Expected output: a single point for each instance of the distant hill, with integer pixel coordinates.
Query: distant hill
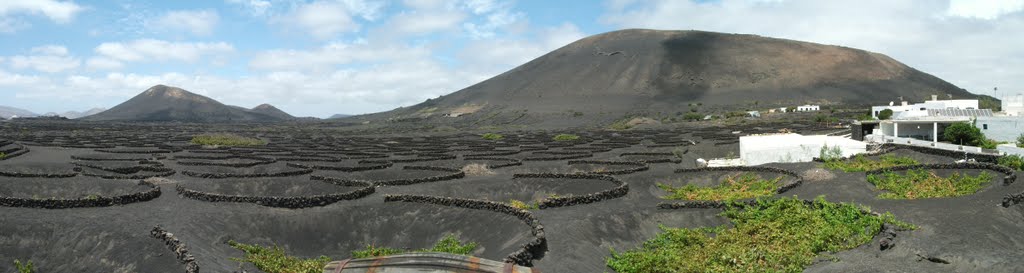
(166, 103)
(270, 110)
(75, 114)
(339, 116)
(639, 70)
(7, 112)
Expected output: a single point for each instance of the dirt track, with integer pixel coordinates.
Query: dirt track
(971, 233)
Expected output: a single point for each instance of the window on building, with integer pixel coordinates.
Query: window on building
(876, 113)
(984, 126)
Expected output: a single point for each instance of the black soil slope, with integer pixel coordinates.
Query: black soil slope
(653, 70)
(166, 103)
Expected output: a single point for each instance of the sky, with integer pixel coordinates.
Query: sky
(324, 57)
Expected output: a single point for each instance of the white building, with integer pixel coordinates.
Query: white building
(921, 109)
(1013, 105)
(807, 108)
(773, 148)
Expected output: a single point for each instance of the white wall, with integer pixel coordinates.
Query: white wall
(931, 104)
(757, 150)
(1001, 128)
(1010, 149)
(1013, 105)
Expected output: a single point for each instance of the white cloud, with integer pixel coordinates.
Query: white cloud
(425, 22)
(10, 25)
(333, 54)
(48, 58)
(366, 9)
(429, 4)
(103, 63)
(58, 11)
(199, 22)
(484, 6)
(323, 20)
(158, 50)
(973, 54)
(498, 55)
(984, 9)
(254, 7)
(498, 15)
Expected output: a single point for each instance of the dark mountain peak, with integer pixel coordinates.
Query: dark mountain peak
(168, 103)
(264, 106)
(270, 110)
(171, 92)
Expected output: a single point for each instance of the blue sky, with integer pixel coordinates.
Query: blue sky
(317, 58)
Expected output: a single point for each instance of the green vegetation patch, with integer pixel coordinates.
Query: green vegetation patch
(780, 235)
(226, 140)
(27, 267)
(2, 155)
(566, 137)
(448, 244)
(274, 260)
(524, 205)
(1015, 162)
(860, 163)
(492, 136)
(740, 186)
(919, 184)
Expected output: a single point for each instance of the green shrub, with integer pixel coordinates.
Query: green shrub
(492, 136)
(373, 251)
(963, 133)
(860, 163)
(27, 267)
(830, 154)
(885, 114)
(448, 244)
(693, 117)
(274, 260)
(3, 155)
(917, 184)
(1020, 142)
(1015, 162)
(620, 125)
(524, 205)
(742, 186)
(566, 137)
(989, 143)
(226, 140)
(780, 235)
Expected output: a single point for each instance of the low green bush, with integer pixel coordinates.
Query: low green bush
(227, 140)
(1015, 162)
(780, 235)
(830, 153)
(566, 137)
(860, 163)
(448, 244)
(963, 133)
(27, 267)
(3, 155)
(492, 136)
(919, 184)
(885, 114)
(741, 186)
(524, 205)
(988, 143)
(274, 260)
